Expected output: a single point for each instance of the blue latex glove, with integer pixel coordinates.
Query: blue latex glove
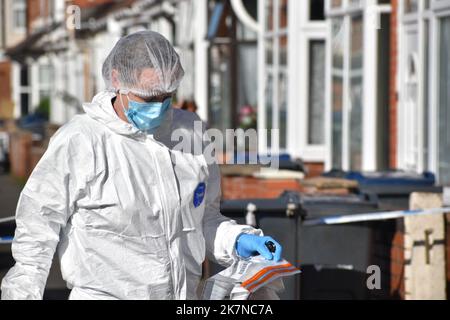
(248, 245)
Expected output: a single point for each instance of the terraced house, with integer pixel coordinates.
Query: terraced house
(350, 84)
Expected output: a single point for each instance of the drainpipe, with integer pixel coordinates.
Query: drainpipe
(243, 15)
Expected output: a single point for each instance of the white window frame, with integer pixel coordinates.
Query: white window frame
(45, 86)
(275, 34)
(438, 9)
(302, 32)
(410, 23)
(16, 6)
(370, 10)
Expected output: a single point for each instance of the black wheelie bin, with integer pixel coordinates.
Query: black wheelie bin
(335, 258)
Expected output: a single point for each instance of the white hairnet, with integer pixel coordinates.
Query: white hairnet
(146, 64)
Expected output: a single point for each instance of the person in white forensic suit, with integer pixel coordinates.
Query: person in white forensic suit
(129, 214)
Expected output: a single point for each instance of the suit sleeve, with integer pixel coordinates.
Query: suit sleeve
(44, 207)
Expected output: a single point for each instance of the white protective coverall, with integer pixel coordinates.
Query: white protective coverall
(118, 204)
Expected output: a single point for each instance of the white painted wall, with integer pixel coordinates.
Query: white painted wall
(13, 36)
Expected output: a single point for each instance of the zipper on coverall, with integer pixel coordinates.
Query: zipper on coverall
(165, 208)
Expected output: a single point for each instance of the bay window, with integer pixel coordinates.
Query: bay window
(19, 15)
(358, 33)
(424, 101)
(273, 111)
(292, 55)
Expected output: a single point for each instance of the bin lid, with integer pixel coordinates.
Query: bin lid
(285, 161)
(287, 201)
(387, 178)
(315, 206)
(326, 199)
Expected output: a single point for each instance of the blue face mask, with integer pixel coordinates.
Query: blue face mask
(147, 116)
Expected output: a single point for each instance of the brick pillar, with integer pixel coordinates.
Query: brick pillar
(397, 258)
(425, 272)
(20, 147)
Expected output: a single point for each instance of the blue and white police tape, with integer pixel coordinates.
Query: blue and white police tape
(9, 219)
(6, 240)
(375, 216)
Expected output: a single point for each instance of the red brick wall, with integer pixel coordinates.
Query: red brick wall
(34, 11)
(20, 147)
(234, 188)
(393, 87)
(5, 90)
(314, 169)
(90, 3)
(398, 263)
(397, 249)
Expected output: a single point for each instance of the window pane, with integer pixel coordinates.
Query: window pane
(248, 72)
(19, 19)
(45, 75)
(283, 109)
(356, 132)
(444, 103)
(355, 3)
(24, 76)
(283, 13)
(269, 51)
(382, 92)
(337, 122)
(357, 43)
(337, 90)
(317, 10)
(427, 88)
(283, 50)
(269, 14)
(411, 102)
(44, 94)
(24, 103)
(336, 3)
(19, 13)
(411, 6)
(338, 43)
(219, 88)
(316, 114)
(356, 90)
(269, 107)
